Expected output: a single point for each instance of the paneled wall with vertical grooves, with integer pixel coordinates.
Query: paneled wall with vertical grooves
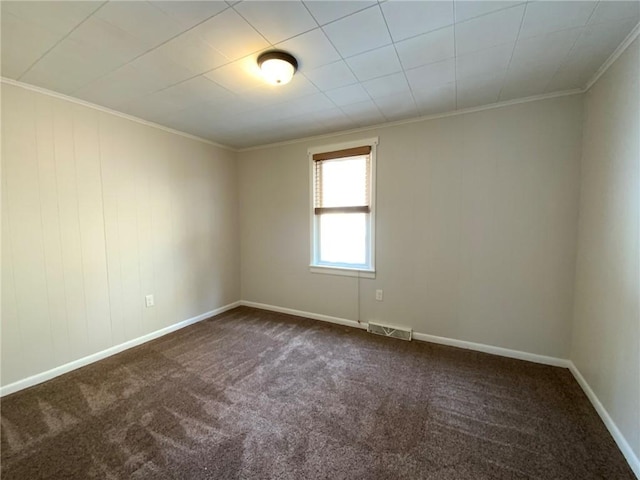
(97, 212)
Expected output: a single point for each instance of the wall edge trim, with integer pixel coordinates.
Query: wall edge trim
(100, 108)
(620, 49)
(94, 357)
(301, 313)
(618, 437)
(452, 342)
(450, 113)
(500, 351)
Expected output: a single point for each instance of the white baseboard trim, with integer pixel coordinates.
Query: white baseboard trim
(479, 347)
(300, 313)
(500, 351)
(623, 445)
(81, 362)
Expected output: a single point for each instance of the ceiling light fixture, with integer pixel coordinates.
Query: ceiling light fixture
(277, 67)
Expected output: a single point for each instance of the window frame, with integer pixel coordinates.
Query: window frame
(364, 271)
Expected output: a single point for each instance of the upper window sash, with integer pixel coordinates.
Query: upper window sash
(352, 196)
(346, 152)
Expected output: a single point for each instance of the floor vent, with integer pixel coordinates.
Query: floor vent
(390, 331)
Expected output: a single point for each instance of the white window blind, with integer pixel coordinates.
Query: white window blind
(342, 181)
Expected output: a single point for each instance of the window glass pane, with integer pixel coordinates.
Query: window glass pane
(344, 182)
(343, 238)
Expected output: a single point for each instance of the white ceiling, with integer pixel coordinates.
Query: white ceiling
(191, 65)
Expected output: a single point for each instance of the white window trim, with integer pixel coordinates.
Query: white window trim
(314, 266)
(342, 272)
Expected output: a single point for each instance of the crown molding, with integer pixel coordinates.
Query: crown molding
(614, 56)
(396, 123)
(452, 113)
(100, 108)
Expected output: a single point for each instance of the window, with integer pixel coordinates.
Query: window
(342, 213)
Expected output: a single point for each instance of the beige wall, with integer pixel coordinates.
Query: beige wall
(606, 326)
(97, 212)
(476, 228)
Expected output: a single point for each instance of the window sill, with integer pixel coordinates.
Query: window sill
(342, 271)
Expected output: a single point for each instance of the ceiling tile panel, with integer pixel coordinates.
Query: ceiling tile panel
(546, 17)
(467, 9)
(71, 65)
(56, 17)
(358, 33)
(328, 11)
(300, 106)
(90, 51)
(190, 51)
(490, 30)
(487, 62)
(436, 100)
(432, 75)
(155, 107)
(163, 70)
(395, 84)
(312, 49)
(330, 76)
(347, 95)
(376, 63)
(408, 19)
(571, 76)
(197, 90)
(293, 128)
(190, 13)
(231, 35)
(238, 76)
(277, 20)
(108, 39)
(334, 119)
(53, 76)
(268, 94)
(526, 82)
(141, 20)
(428, 48)
(363, 113)
(397, 107)
(23, 43)
(261, 97)
(609, 11)
(215, 116)
(546, 49)
(117, 88)
(475, 91)
(598, 41)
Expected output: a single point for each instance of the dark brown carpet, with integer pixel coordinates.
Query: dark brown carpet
(253, 394)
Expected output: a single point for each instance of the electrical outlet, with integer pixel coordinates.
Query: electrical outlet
(379, 295)
(148, 300)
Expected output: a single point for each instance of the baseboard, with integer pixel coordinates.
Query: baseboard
(500, 351)
(300, 313)
(68, 367)
(479, 347)
(623, 445)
